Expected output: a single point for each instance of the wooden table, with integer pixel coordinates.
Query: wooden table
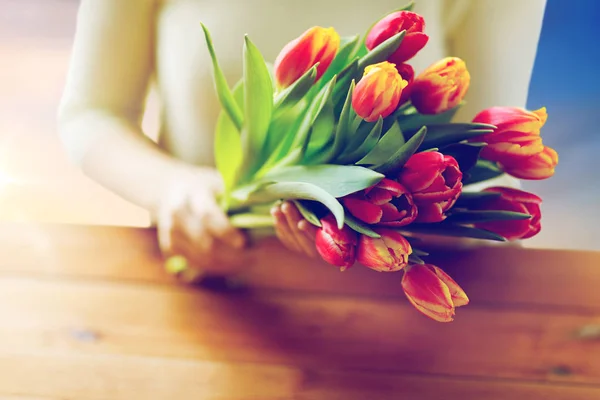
(89, 313)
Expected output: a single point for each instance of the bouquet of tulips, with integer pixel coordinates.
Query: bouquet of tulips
(367, 152)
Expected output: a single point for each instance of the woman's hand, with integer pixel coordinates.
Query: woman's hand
(293, 230)
(192, 226)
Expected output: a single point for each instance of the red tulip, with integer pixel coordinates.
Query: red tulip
(384, 254)
(435, 181)
(337, 247)
(378, 92)
(442, 86)
(387, 204)
(407, 73)
(516, 144)
(433, 292)
(414, 39)
(316, 45)
(518, 201)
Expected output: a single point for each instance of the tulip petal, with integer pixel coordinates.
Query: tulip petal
(428, 293)
(363, 210)
(459, 297)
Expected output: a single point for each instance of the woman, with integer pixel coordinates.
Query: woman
(122, 48)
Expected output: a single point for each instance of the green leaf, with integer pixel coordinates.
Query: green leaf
(415, 259)
(402, 155)
(346, 53)
(337, 180)
(382, 52)
(298, 191)
(303, 134)
(440, 135)
(367, 145)
(466, 154)
(258, 104)
(344, 80)
(296, 91)
(223, 93)
(342, 132)
(228, 143)
(474, 199)
(360, 227)
(420, 253)
(482, 171)
(307, 214)
(410, 121)
(385, 147)
(471, 217)
(443, 229)
(322, 133)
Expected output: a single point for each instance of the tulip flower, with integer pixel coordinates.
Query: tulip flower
(407, 73)
(516, 144)
(387, 253)
(441, 86)
(433, 292)
(316, 45)
(518, 201)
(378, 92)
(534, 167)
(435, 181)
(388, 203)
(414, 39)
(337, 247)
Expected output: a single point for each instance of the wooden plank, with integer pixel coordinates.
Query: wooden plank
(500, 275)
(108, 377)
(308, 331)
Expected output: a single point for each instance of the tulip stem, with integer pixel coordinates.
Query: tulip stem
(251, 221)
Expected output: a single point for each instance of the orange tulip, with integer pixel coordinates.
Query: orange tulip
(378, 93)
(387, 253)
(433, 292)
(316, 45)
(441, 86)
(516, 144)
(535, 167)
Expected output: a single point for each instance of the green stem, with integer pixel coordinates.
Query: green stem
(251, 221)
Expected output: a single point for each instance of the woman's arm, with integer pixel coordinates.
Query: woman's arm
(103, 101)
(498, 41)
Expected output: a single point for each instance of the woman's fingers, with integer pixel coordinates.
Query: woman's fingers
(283, 230)
(294, 218)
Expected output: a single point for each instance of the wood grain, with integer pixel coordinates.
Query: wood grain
(96, 377)
(496, 275)
(48, 317)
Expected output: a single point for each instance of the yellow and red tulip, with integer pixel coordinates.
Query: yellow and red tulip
(336, 246)
(435, 181)
(388, 203)
(414, 39)
(433, 292)
(387, 253)
(378, 92)
(518, 201)
(316, 45)
(441, 86)
(516, 144)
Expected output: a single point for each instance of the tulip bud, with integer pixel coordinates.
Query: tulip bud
(413, 41)
(337, 247)
(407, 73)
(534, 167)
(388, 203)
(384, 254)
(435, 181)
(441, 86)
(316, 45)
(433, 292)
(516, 144)
(378, 93)
(518, 201)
